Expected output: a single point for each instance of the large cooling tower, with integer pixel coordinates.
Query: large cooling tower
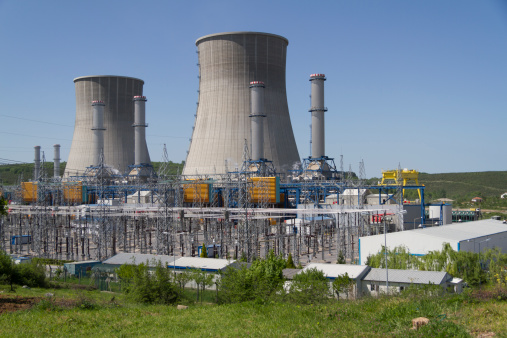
(117, 93)
(228, 62)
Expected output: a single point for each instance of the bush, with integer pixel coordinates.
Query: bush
(309, 287)
(31, 274)
(144, 287)
(262, 280)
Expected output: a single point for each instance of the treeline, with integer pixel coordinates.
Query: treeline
(31, 274)
(474, 268)
(261, 281)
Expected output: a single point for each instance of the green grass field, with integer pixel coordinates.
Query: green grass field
(94, 313)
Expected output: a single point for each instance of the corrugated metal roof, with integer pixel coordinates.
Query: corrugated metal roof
(335, 270)
(408, 276)
(82, 262)
(289, 273)
(455, 231)
(208, 264)
(136, 258)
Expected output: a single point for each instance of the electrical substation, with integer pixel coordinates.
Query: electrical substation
(244, 189)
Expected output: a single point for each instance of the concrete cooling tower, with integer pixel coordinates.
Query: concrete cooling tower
(228, 62)
(117, 94)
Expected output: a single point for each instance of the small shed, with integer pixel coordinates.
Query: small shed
(333, 271)
(141, 197)
(353, 196)
(79, 268)
(118, 260)
(203, 264)
(374, 283)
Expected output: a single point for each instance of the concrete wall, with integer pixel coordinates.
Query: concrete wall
(228, 63)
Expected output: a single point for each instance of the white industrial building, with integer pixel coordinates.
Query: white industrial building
(374, 283)
(333, 271)
(469, 236)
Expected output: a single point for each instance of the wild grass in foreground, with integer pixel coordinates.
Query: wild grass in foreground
(92, 313)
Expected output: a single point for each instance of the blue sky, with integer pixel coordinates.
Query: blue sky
(418, 83)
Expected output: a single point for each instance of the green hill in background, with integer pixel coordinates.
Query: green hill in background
(10, 174)
(458, 186)
(465, 185)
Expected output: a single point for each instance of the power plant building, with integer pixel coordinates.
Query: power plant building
(117, 94)
(228, 62)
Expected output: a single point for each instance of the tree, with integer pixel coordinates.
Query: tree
(202, 280)
(341, 258)
(308, 287)
(262, 280)
(204, 253)
(342, 283)
(3, 206)
(243, 257)
(290, 262)
(8, 271)
(182, 278)
(145, 287)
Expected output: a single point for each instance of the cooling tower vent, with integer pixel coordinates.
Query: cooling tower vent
(257, 84)
(317, 76)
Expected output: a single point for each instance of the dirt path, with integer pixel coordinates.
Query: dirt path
(9, 303)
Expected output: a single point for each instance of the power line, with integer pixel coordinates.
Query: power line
(7, 161)
(21, 118)
(50, 138)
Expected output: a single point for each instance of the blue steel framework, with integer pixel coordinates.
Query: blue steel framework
(315, 191)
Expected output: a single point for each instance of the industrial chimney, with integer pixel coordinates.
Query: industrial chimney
(98, 131)
(228, 62)
(56, 169)
(317, 109)
(257, 119)
(36, 164)
(140, 131)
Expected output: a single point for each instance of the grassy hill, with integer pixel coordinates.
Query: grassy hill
(94, 313)
(466, 185)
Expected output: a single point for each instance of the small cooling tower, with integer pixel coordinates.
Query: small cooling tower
(117, 93)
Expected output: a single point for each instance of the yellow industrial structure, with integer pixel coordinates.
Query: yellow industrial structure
(265, 189)
(73, 192)
(29, 192)
(197, 191)
(401, 177)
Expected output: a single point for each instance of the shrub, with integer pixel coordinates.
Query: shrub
(31, 274)
(145, 287)
(261, 281)
(342, 283)
(308, 287)
(290, 262)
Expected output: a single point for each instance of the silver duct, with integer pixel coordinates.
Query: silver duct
(36, 161)
(56, 159)
(257, 119)
(317, 109)
(98, 131)
(139, 130)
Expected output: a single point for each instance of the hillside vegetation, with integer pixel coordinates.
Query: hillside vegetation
(11, 174)
(465, 185)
